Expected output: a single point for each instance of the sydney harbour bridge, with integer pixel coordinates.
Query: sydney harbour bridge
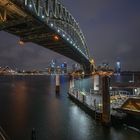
(46, 23)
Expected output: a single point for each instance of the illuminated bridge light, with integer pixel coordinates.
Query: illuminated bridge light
(51, 24)
(68, 39)
(56, 38)
(58, 31)
(30, 5)
(63, 35)
(71, 42)
(43, 16)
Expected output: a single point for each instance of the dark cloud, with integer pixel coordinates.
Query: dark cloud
(111, 28)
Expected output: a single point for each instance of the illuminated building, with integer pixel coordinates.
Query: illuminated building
(64, 67)
(118, 67)
(53, 66)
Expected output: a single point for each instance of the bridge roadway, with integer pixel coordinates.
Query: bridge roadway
(46, 23)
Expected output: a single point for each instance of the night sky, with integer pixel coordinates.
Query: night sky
(111, 28)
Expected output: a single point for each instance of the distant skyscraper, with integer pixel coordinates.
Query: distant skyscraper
(75, 67)
(105, 65)
(118, 67)
(53, 66)
(64, 67)
(53, 63)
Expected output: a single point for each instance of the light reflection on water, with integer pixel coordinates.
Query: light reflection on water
(18, 104)
(30, 101)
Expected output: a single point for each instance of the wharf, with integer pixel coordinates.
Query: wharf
(116, 117)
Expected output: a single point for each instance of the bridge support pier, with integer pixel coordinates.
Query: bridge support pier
(106, 100)
(87, 69)
(57, 80)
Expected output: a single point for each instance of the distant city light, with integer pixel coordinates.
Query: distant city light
(118, 63)
(58, 31)
(83, 73)
(21, 42)
(62, 65)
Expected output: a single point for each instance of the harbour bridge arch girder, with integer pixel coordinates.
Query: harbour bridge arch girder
(53, 15)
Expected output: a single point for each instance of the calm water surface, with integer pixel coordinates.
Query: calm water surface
(28, 102)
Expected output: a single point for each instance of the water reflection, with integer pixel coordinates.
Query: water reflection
(31, 102)
(19, 106)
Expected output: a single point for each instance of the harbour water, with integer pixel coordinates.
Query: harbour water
(28, 102)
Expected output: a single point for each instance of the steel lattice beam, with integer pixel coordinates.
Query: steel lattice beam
(54, 10)
(10, 24)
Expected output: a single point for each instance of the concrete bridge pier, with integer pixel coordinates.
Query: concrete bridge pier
(57, 81)
(87, 68)
(106, 119)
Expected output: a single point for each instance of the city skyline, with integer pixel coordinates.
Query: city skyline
(111, 28)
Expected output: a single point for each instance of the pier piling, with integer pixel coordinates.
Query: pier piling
(106, 100)
(57, 81)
